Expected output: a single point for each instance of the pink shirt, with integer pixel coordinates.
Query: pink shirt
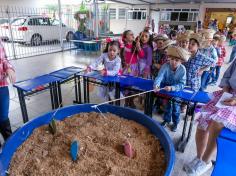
(130, 57)
(4, 66)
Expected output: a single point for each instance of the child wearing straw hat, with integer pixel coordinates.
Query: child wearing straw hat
(209, 51)
(172, 77)
(183, 39)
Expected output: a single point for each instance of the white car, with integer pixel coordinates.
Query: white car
(37, 29)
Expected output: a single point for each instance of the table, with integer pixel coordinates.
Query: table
(189, 96)
(34, 85)
(67, 74)
(88, 45)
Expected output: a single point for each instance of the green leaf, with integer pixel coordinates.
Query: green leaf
(52, 126)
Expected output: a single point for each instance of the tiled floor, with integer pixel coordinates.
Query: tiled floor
(40, 104)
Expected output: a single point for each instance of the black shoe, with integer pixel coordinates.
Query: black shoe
(174, 128)
(164, 123)
(5, 129)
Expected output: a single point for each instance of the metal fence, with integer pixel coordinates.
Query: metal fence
(34, 31)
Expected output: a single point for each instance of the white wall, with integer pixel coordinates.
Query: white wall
(119, 26)
(20, 3)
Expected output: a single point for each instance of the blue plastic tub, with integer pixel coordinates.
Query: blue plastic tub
(25, 131)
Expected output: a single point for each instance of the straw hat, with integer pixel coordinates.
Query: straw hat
(216, 36)
(222, 38)
(178, 52)
(198, 37)
(208, 34)
(160, 37)
(167, 43)
(189, 32)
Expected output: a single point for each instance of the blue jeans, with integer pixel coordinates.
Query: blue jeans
(217, 73)
(172, 112)
(211, 76)
(4, 103)
(204, 82)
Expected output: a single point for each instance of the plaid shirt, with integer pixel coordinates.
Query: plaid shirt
(222, 56)
(210, 52)
(192, 67)
(4, 66)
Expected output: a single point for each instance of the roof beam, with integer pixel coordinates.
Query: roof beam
(145, 1)
(121, 2)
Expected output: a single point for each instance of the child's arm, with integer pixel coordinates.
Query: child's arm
(160, 76)
(182, 81)
(97, 62)
(116, 68)
(149, 56)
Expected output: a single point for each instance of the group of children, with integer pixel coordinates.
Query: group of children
(185, 59)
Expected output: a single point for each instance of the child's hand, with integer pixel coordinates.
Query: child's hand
(157, 89)
(167, 88)
(11, 75)
(230, 101)
(88, 69)
(200, 72)
(103, 72)
(138, 46)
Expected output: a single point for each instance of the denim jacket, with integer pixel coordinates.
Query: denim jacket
(168, 77)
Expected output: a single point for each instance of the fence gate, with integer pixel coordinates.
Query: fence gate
(34, 31)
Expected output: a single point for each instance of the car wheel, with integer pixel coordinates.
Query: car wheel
(36, 40)
(69, 36)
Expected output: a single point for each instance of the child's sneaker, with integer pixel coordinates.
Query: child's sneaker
(187, 167)
(199, 168)
(164, 123)
(174, 127)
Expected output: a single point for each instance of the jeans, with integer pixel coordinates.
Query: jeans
(4, 103)
(211, 76)
(172, 112)
(217, 73)
(204, 78)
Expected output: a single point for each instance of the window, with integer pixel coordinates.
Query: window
(174, 16)
(183, 16)
(112, 13)
(33, 22)
(122, 14)
(190, 17)
(44, 21)
(137, 14)
(18, 22)
(195, 16)
(165, 16)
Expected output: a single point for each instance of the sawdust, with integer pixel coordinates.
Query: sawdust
(101, 149)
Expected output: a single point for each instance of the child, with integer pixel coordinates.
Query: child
(172, 77)
(173, 36)
(183, 40)
(233, 54)
(215, 42)
(233, 39)
(197, 63)
(6, 71)
(112, 64)
(132, 50)
(159, 56)
(221, 58)
(209, 51)
(146, 62)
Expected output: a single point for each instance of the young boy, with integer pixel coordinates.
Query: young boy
(197, 63)
(172, 77)
(183, 39)
(221, 58)
(209, 51)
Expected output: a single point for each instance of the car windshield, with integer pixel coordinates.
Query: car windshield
(3, 20)
(18, 22)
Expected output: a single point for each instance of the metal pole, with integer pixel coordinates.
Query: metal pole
(96, 18)
(60, 29)
(12, 40)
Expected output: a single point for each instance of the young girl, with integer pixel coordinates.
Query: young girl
(132, 50)
(172, 77)
(112, 64)
(6, 71)
(211, 122)
(146, 62)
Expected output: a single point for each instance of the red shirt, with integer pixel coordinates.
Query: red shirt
(4, 66)
(221, 59)
(130, 57)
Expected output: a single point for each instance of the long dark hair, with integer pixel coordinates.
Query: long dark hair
(112, 43)
(150, 38)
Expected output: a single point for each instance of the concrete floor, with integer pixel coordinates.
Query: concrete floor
(40, 104)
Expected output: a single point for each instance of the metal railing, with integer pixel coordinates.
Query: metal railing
(28, 31)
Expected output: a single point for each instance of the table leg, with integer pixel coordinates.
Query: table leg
(51, 95)
(146, 104)
(117, 93)
(79, 90)
(85, 89)
(150, 103)
(59, 93)
(191, 122)
(23, 105)
(181, 144)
